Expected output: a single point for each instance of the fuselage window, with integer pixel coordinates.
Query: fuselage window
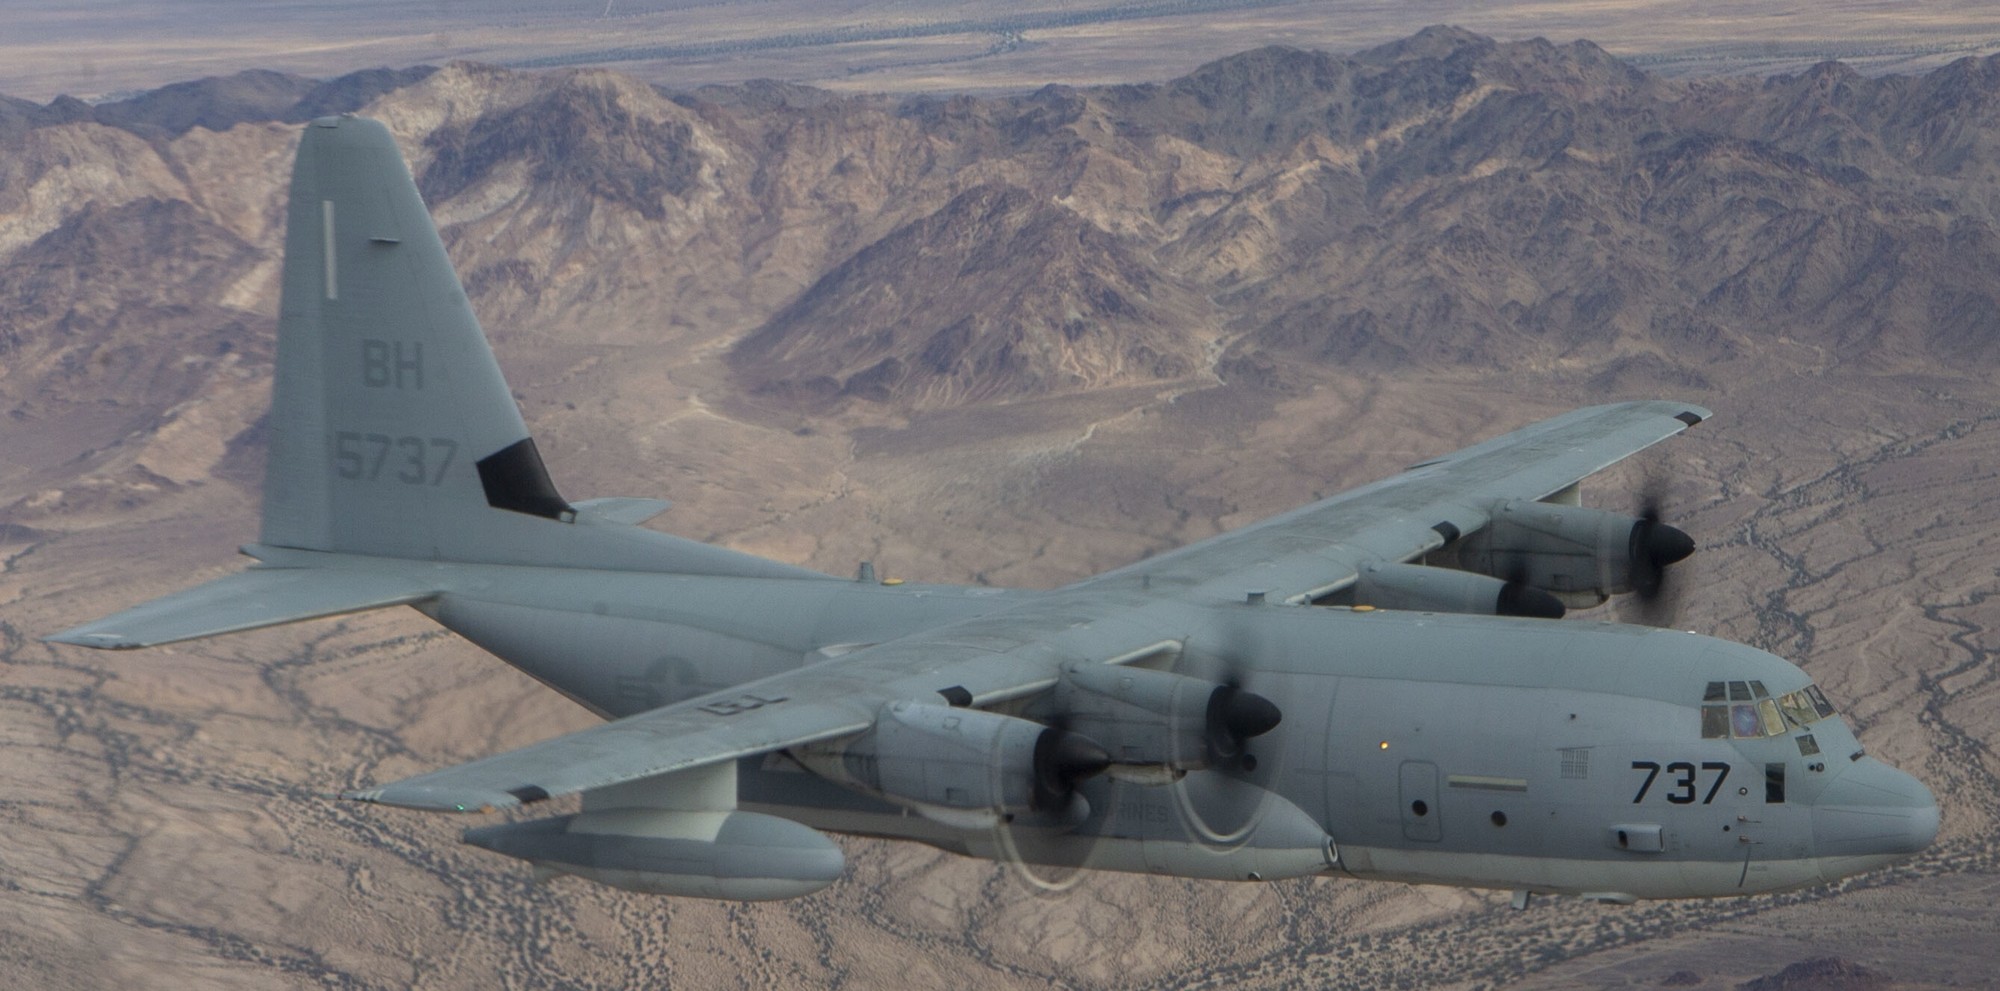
(1774, 783)
(1808, 746)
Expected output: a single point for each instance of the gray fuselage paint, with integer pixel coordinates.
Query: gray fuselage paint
(1518, 736)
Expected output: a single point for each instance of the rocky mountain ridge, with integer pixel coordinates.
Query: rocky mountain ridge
(1446, 200)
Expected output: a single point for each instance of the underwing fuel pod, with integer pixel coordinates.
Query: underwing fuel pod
(1375, 686)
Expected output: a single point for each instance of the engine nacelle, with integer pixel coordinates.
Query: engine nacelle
(1418, 587)
(735, 855)
(1579, 554)
(967, 768)
(1157, 725)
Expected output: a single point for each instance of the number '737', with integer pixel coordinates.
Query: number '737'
(1681, 780)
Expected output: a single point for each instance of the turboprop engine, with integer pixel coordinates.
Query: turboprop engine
(1583, 556)
(967, 768)
(1420, 587)
(1155, 725)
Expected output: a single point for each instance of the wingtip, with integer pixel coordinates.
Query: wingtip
(428, 803)
(84, 636)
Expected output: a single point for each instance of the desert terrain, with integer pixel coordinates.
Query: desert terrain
(113, 49)
(1012, 340)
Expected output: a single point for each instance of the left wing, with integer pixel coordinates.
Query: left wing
(735, 722)
(247, 600)
(1019, 651)
(820, 702)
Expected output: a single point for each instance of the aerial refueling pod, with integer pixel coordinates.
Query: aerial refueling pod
(1581, 555)
(967, 768)
(1157, 725)
(1419, 587)
(735, 855)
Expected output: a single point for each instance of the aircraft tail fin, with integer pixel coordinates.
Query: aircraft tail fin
(392, 430)
(393, 433)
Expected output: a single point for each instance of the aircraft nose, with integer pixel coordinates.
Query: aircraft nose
(1870, 816)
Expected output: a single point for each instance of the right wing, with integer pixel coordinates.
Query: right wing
(1316, 549)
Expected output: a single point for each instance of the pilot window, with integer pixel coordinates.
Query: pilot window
(1714, 722)
(1745, 710)
(1743, 722)
(1798, 708)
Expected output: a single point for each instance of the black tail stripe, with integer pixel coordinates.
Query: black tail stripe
(515, 479)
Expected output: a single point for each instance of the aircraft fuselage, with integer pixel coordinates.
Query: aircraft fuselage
(1434, 748)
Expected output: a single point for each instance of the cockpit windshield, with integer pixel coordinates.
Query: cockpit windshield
(1745, 710)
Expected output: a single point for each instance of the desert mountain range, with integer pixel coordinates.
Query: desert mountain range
(1003, 339)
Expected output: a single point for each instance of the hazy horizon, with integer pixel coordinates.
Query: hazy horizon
(104, 51)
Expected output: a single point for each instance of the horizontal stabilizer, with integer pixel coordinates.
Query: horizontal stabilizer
(620, 509)
(245, 601)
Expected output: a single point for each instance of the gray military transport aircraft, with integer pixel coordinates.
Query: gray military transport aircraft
(1377, 685)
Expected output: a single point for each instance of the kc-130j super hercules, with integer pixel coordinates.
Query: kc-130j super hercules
(1375, 686)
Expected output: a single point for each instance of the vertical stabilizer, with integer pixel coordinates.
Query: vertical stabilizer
(392, 431)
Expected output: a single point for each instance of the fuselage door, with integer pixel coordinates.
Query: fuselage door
(1422, 819)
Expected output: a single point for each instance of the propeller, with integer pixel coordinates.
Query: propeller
(1063, 760)
(1044, 852)
(1238, 728)
(1519, 597)
(1655, 547)
(1235, 717)
(1212, 725)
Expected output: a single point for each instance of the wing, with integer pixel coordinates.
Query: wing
(819, 702)
(1020, 650)
(248, 600)
(1317, 549)
(736, 722)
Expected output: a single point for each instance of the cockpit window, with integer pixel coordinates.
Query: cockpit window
(1806, 706)
(1743, 722)
(1799, 708)
(1750, 713)
(1767, 713)
(1715, 722)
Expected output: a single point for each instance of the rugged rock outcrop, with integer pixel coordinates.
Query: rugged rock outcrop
(1445, 200)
